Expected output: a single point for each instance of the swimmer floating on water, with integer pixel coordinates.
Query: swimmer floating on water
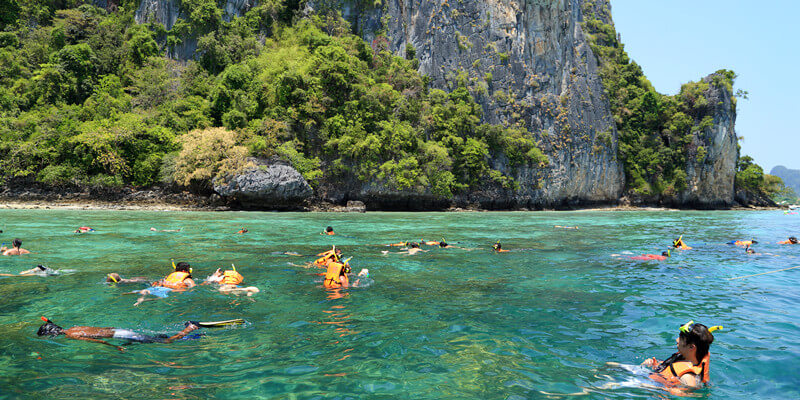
(16, 249)
(178, 280)
(645, 257)
(165, 230)
(790, 240)
(39, 270)
(116, 278)
(498, 248)
(745, 243)
(95, 334)
(243, 230)
(84, 229)
(691, 364)
(679, 244)
(413, 248)
(328, 231)
(229, 281)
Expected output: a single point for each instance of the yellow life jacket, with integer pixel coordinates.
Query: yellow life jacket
(332, 275)
(175, 279)
(673, 373)
(230, 277)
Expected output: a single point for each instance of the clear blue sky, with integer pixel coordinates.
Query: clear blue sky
(676, 41)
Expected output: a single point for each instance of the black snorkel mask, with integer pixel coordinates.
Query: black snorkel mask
(49, 328)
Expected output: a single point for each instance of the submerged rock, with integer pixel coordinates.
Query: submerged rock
(271, 184)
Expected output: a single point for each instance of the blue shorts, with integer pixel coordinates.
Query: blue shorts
(159, 291)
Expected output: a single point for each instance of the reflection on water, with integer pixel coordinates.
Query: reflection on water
(447, 323)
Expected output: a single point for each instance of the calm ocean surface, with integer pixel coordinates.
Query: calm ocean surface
(444, 324)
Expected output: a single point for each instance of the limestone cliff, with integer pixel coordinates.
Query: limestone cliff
(712, 154)
(528, 61)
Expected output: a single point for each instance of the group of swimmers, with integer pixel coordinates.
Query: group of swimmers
(689, 366)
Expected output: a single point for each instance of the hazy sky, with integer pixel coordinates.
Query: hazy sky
(677, 41)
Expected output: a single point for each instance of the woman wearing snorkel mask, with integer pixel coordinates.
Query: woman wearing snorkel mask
(690, 365)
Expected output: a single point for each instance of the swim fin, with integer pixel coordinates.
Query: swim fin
(220, 323)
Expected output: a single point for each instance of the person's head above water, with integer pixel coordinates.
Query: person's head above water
(497, 246)
(329, 229)
(113, 277)
(49, 328)
(414, 245)
(665, 253)
(442, 244)
(750, 251)
(183, 267)
(792, 240)
(17, 243)
(695, 338)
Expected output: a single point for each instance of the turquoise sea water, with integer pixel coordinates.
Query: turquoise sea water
(444, 324)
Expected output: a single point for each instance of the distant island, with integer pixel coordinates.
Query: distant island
(790, 177)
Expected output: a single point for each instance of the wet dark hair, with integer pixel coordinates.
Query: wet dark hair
(41, 267)
(665, 253)
(329, 229)
(754, 242)
(700, 337)
(17, 243)
(442, 244)
(497, 246)
(749, 251)
(182, 266)
(50, 329)
(414, 245)
(792, 239)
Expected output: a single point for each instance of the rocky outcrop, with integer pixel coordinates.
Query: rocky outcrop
(712, 154)
(528, 61)
(167, 12)
(271, 184)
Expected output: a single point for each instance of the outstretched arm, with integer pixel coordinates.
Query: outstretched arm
(182, 333)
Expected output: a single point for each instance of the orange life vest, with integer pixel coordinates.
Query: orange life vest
(329, 233)
(743, 242)
(231, 278)
(673, 373)
(333, 276)
(175, 279)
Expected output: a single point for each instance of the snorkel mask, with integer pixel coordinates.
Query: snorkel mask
(687, 327)
(49, 328)
(346, 267)
(174, 268)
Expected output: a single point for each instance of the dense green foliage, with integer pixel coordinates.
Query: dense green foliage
(656, 132)
(87, 96)
(751, 177)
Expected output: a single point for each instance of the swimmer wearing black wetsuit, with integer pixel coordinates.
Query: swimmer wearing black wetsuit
(94, 334)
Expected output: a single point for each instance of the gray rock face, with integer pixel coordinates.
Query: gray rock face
(167, 12)
(528, 62)
(272, 184)
(710, 179)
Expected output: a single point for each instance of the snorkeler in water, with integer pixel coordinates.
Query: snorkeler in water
(564, 227)
(229, 282)
(39, 270)
(15, 250)
(790, 240)
(413, 248)
(165, 230)
(328, 231)
(691, 364)
(95, 334)
(180, 279)
(243, 230)
(84, 229)
(498, 248)
(116, 278)
(680, 244)
(645, 257)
